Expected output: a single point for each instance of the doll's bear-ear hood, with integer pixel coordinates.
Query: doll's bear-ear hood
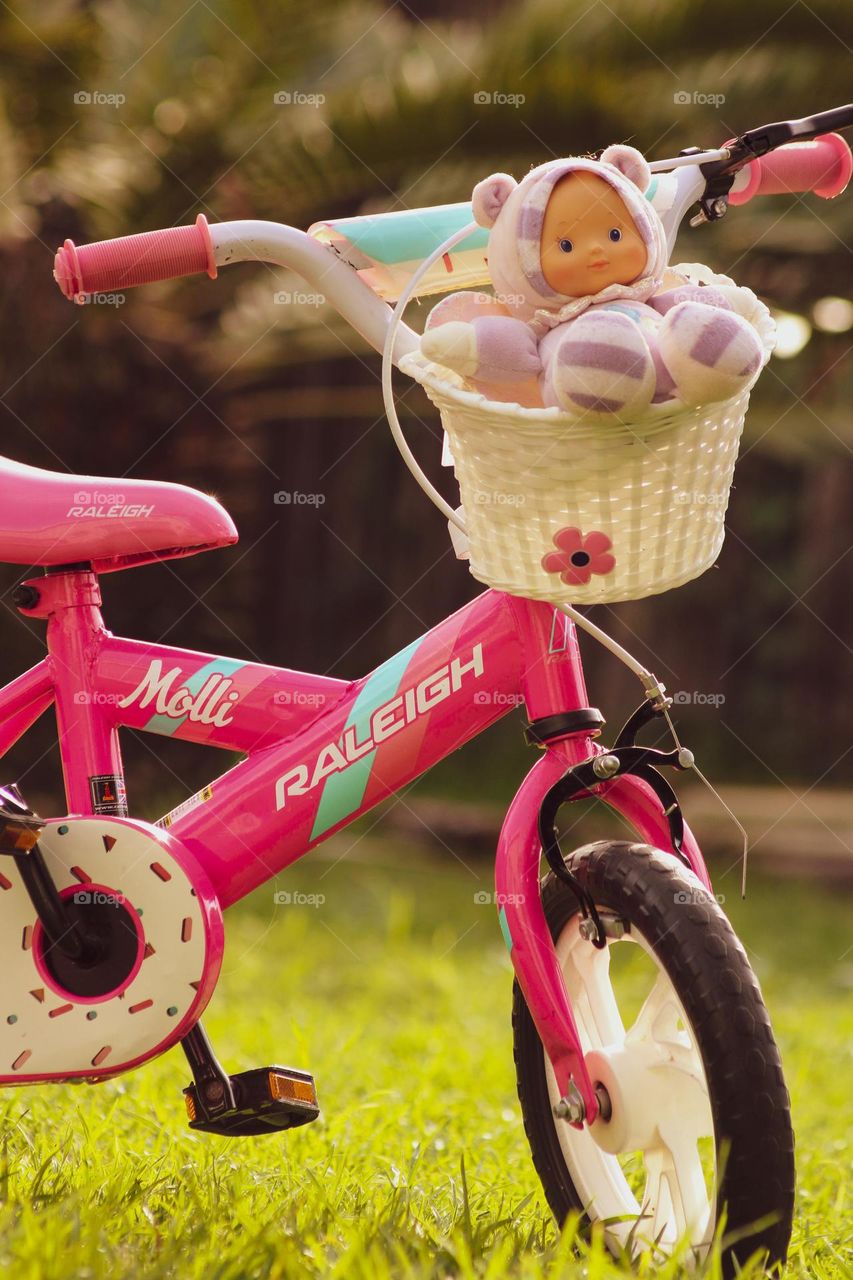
(490, 196)
(630, 163)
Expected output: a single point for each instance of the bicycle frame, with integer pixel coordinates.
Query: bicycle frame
(320, 752)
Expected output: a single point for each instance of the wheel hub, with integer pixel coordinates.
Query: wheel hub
(635, 1092)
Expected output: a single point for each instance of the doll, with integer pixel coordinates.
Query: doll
(586, 315)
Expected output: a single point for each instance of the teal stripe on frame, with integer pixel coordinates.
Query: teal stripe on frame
(343, 792)
(504, 923)
(167, 725)
(411, 233)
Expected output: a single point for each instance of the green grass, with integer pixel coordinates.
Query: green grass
(395, 993)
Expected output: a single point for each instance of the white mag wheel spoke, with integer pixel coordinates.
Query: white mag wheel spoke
(593, 992)
(675, 1201)
(661, 1023)
(659, 1016)
(676, 1196)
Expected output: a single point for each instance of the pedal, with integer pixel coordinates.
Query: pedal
(266, 1099)
(251, 1102)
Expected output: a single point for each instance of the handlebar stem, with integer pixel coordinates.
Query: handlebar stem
(690, 187)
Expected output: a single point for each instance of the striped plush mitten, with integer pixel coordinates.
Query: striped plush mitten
(599, 365)
(710, 353)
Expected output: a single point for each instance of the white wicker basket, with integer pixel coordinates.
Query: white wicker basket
(657, 488)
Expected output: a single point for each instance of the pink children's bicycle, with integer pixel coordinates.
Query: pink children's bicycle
(663, 1116)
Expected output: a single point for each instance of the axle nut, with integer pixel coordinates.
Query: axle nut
(571, 1107)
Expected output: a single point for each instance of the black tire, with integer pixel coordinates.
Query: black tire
(694, 943)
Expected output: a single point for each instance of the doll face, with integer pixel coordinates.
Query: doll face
(589, 239)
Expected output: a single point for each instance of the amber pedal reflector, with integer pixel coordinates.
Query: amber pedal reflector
(285, 1088)
(190, 1101)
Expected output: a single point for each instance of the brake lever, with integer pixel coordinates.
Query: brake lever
(752, 145)
(755, 143)
(767, 137)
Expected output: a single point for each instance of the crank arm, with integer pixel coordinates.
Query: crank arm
(20, 829)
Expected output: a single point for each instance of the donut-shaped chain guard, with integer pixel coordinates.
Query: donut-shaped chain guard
(162, 939)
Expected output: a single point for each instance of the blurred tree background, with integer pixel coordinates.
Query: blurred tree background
(224, 388)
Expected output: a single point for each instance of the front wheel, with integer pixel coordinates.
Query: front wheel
(671, 1019)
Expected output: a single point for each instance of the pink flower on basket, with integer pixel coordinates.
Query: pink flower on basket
(579, 556)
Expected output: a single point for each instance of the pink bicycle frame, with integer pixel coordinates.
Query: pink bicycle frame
(319, 752)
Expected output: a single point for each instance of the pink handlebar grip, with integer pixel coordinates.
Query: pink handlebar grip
(108, 265)
(823, 166)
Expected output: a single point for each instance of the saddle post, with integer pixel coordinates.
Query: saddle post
(68, 597)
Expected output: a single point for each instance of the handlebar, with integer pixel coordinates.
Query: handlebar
(123, 263)
(111, 265)
(823, 166)
(762, 161)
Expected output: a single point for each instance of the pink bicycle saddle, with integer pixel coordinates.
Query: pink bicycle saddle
(48, 518)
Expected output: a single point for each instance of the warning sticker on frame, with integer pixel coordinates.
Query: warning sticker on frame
(109, 795)
(199, 798)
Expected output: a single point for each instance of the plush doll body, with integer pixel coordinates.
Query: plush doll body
(586, 315)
